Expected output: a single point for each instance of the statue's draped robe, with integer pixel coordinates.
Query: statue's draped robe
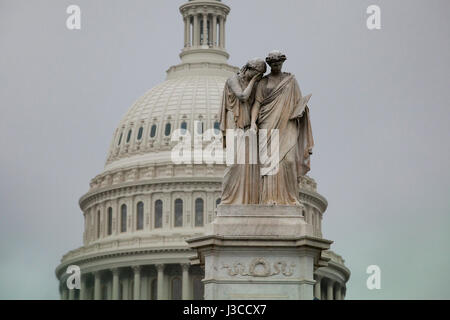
(241, 181)
(284, 108)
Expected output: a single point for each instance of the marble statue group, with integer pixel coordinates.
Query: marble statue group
(272, 104)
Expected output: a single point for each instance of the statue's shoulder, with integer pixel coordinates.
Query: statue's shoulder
(264, 79)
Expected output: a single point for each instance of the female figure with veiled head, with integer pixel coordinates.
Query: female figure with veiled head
(241, 179)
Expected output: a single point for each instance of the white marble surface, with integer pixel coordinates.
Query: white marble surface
(259, 252)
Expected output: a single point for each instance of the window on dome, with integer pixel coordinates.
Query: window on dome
(98, 224)
(140, 132)
(129, 136)
(199, 212)
(176, 288)
(120, 139)
(153, 131)
(217, 127)
(178, 213)
(140, 216)
(168, 129)
(183, 127)
(158, 213)
(109, 221)
(123, 218)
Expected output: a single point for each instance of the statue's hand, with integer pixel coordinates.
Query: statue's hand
(257, 77)
(254, 127)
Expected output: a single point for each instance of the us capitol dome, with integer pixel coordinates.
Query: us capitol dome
(141, 208)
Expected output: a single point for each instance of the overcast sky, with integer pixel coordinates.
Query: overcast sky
(380, 108)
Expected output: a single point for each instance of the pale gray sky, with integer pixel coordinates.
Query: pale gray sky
(380, 110)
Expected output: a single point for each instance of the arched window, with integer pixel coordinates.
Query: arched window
(199, 212)
(178, 213)
(216, 127)
(168, 129)
(123, 218)
(140, 132)
(153, 131)
(176, 288)
(129, 136)
(140, 216)
(217, 202)
(109, 221)
(98, 224)
(183, 127)
(154, 289)
(120, 139)
(158, 213)
(199, 289)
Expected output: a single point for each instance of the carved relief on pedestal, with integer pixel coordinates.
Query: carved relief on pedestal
(260, 267)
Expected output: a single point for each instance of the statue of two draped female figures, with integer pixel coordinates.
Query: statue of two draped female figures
(277, 157)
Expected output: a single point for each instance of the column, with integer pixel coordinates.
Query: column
(109, 289)
(338, 292)
(137, 283)
(330, 289)
(343, 293)
(115, 283)
(116, 213)
(83, 292)
(214, 30)
(185, 282)
(317, 288)
(224, 26)
(221, 31)
(64, 293)
(205, 29)
(97, 285)
(186, 28)
(144, 291)
(160, 268)
(125, 288)
(71, 294)
(196, 33)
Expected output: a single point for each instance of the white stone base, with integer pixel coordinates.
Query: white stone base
(260, 253)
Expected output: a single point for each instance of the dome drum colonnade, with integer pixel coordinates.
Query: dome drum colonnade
(140, 210)
(146, 281)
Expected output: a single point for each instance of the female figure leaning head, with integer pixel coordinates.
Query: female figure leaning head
(252, 68)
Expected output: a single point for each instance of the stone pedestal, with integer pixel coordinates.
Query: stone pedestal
(259, 252)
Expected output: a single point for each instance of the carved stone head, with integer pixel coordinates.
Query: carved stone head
(275, 60)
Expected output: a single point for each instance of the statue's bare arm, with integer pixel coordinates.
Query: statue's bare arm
(255, 113)
(255, 108)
